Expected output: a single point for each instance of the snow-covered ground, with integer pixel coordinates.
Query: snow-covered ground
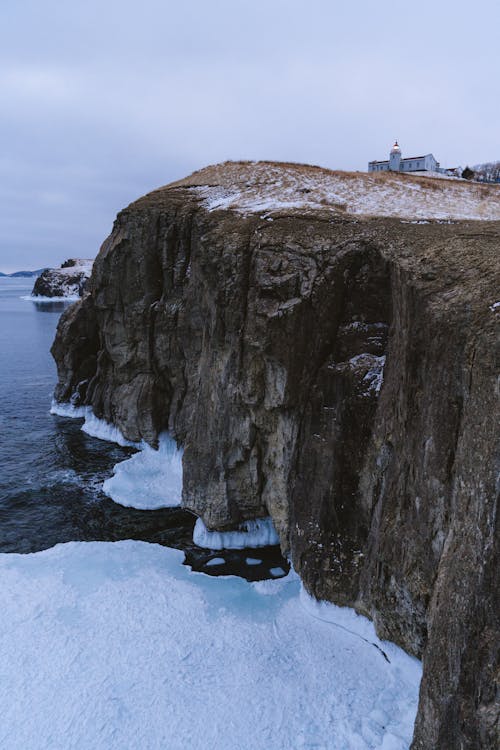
(263, 187)
(110, 646)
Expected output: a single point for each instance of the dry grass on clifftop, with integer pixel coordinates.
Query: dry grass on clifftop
(252, 187)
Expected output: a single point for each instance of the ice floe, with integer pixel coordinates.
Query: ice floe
(118, 645)
(256, 533)
(215, 561)
(253, 561)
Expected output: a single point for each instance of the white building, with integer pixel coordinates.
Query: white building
(396, 163)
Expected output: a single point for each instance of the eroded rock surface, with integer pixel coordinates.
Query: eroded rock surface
(337, 372)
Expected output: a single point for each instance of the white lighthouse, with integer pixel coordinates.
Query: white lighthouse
(395, 158)
(396, 163)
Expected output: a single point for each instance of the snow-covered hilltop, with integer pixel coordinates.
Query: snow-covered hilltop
(66, 282)
(250, 187)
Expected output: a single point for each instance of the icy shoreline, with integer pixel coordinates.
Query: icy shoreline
(117, 645)
(179, 654)
(34, 298)
(149, 479)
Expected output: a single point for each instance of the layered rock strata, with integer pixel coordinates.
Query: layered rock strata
(336, 371)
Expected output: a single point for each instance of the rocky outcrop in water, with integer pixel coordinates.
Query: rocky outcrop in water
(336, 371)
(68, 281)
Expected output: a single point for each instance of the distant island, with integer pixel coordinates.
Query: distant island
(22, 274)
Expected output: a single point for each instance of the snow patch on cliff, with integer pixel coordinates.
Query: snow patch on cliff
(256, 533)
(118, 645)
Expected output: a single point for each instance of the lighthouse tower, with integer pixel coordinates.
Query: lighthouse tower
(395, 158)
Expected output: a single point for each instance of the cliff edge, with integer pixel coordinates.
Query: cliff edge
(325, 347)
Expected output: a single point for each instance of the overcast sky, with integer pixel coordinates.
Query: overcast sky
(104, 100)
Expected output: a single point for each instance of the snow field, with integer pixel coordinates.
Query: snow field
(118, 646)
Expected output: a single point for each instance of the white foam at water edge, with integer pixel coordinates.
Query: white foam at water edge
(118, 645)
(257, 533)
(103, 430)
(92, 425)
(68, 298)
(149, 479)
(65, 409)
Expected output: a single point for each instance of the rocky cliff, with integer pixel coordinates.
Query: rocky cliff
(335, 370)
(69, 280)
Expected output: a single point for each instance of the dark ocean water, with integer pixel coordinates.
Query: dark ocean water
(51, 472)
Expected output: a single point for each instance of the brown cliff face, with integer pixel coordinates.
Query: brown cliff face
(338, 373)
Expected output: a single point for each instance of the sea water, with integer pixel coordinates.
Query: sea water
(50, 471)
(113, 646)
(55, 479)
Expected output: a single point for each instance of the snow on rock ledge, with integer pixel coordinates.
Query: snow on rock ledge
(257, 533)
(67, 282)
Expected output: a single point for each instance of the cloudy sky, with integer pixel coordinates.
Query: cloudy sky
(104, 100)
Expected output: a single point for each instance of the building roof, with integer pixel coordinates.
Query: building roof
(406, 158)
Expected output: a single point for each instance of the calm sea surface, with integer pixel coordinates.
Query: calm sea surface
(51, 472)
